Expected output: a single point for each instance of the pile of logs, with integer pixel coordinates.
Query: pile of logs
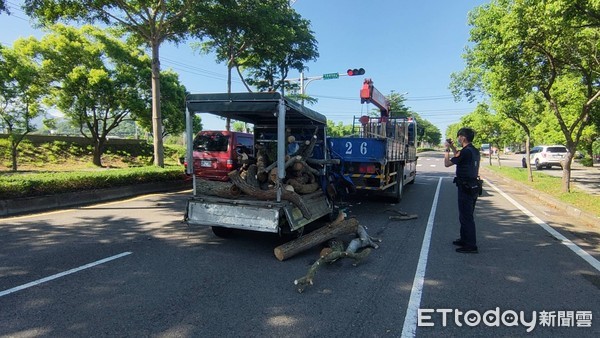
(257, 179)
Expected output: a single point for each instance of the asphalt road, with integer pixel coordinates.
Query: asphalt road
(132, 269)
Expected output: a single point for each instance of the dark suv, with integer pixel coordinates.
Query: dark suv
(546, 156)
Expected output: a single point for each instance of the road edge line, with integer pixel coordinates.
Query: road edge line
(409, 328)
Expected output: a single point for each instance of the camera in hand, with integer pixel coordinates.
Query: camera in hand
(449, 140)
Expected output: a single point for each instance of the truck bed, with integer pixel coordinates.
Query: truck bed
(247, 213)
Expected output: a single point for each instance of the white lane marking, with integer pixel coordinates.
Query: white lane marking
(409, 329)
(576, 249)
(62, 274)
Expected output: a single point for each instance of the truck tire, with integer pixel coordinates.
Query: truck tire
(222, 232)
(399, 187)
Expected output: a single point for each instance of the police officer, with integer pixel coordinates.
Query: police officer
(467, 172)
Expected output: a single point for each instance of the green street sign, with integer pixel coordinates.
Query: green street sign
(331, 76)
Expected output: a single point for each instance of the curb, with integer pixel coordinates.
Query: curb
(26, 205)
(583, 216)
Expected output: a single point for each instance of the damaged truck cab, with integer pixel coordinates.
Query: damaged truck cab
(284, 187)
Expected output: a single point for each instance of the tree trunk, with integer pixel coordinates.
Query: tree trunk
(527, 154)
(336, 228)
(14, 153)
(159, 159)
(97, 154)
(216, 188)
(566, 176)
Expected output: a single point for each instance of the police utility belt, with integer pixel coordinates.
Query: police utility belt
(470, 185)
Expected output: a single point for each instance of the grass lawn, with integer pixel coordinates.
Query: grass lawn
(552, 186)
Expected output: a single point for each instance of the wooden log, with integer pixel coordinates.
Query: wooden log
(217, 188)
(270, 194)
(330, 257)
(288, 163)
(310, 169)
(261, 160)
(251, 176)
(316, 237)
(303, 188)
(323, 162)
(308, 150)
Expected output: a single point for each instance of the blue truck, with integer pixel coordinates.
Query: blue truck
(380, 156)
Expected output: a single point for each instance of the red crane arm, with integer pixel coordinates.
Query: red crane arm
(370, 94)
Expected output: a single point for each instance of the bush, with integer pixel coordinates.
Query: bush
(48, 183)
(587, 162)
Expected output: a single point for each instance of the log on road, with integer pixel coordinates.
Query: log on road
(339, 227)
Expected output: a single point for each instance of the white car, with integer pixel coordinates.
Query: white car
(546, 156)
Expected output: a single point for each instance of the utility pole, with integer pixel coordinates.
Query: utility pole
(305, 81)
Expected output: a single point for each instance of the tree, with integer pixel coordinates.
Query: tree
(431, 134)
(397, 106)
(428, 132)
(235, 28)
(97, 80)
(151, 22)
(486, 126)
(338, 130)
(286, 43)
(3, 7)
(525, 47)
(21, 89)
(172, 103)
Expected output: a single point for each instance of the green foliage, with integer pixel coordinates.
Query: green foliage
(45, 183)
(338, 130)
(97, 80)
(586, 162)
(285, 42)
(149, 23)
(21, 90)
(171, 102)
(552, 186)
(537, 63)
(60, 155)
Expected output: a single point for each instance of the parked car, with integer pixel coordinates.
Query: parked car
(485, 149)
(216, 153)
(546, 156)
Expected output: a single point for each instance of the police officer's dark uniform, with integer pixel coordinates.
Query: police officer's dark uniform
(467, 172)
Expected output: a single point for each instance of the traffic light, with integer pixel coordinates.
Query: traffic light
(352, 72)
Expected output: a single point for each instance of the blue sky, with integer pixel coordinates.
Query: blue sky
(405, 46)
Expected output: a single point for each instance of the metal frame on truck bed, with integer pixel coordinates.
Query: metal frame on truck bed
(279, 124)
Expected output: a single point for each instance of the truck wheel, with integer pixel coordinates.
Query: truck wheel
(538, 166)
(222, 232)
(399, 187)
